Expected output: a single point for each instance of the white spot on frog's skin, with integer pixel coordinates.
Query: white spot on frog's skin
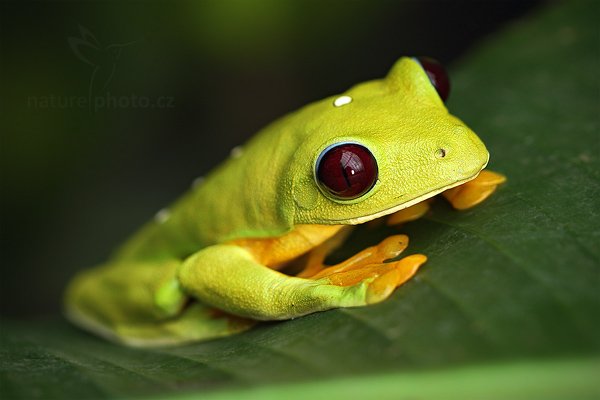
(342, 100)
(197, 182)
(236, 152)
(162, 216)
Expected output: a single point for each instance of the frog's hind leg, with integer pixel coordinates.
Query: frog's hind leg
(141, 304)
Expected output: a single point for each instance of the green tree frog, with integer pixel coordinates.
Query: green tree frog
(210, 264)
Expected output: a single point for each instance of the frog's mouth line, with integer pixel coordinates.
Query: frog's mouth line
(391, 210)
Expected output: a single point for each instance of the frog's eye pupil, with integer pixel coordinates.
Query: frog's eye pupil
(347, 171)
(437, 75)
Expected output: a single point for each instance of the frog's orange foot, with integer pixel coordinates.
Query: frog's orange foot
(369, 266)
(382, 278)
(474, 192)
(387, 249)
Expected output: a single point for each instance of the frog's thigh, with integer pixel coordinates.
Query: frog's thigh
(229, 278)
(126, 290)
(140, 304)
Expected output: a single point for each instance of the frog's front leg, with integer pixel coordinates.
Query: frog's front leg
(229, 277)
(475, 191)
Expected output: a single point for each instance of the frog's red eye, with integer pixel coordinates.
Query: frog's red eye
(347, 170)
(437, 75)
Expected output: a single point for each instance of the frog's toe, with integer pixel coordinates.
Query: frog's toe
(411, 213)
(463, 198)
(474, 192)
(489, 178)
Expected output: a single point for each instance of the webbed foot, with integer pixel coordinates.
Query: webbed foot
(369, 266)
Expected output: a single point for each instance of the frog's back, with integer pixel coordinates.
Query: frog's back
(241, 198)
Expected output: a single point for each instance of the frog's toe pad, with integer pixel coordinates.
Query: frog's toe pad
(400, 272)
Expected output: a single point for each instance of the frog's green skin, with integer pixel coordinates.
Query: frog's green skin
(201, 246)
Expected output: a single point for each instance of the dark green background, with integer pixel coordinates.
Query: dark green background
(76, 183)
(507, 305)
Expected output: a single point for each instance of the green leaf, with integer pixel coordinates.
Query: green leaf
(513, 279)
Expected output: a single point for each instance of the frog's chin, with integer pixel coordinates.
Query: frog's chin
(406, 204)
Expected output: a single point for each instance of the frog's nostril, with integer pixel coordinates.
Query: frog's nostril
(440, 153)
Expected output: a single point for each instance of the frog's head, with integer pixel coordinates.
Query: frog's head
(380, 147)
